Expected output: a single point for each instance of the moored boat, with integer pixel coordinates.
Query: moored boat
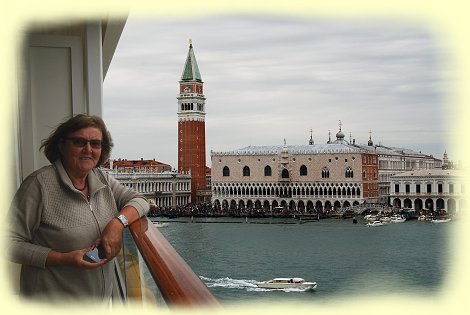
(397, 219)
(375, 223)
(441, 220)
(371, 217)
(422, 218)
(286, 283)
(160, 224)
(385, 219)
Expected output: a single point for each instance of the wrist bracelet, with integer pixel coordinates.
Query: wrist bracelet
(122, 218)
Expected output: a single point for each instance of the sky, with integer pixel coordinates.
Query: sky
(269, 78)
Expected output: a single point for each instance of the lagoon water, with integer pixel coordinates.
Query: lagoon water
(345, 259)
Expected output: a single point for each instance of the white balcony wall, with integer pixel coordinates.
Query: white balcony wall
(61, 72)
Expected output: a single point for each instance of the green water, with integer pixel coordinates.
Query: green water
(345, 259)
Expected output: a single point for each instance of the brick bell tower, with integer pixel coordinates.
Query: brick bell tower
(192, 126)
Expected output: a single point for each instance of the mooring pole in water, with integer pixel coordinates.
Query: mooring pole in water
(246, 219)
(192, 218)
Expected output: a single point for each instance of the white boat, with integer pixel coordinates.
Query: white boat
(375, 216)
(375, 223)
(440, 220)
(371, 217)
(422, 218)
(385, 219)
(160, 224)
(397, 219)
(287, 283)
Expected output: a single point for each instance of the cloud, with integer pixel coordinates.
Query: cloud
(269, 78)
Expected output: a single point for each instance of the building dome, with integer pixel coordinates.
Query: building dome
(340, 135)
(370, 143)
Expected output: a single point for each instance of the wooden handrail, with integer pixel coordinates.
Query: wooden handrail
(177, 282)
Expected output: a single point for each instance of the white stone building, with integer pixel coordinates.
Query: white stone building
(435, 189)
(395, 160)
(166, 189)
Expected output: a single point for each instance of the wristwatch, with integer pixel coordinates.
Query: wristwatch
(123, 220)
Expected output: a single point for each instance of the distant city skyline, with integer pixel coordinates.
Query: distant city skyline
(267, 79)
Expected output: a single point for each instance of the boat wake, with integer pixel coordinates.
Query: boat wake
(241, 284)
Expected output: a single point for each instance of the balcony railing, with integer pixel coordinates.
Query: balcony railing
(177, 282)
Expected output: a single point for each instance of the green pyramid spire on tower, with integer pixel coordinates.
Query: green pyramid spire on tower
(191, 70)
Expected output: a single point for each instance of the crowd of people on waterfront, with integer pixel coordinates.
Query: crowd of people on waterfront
(208, 210)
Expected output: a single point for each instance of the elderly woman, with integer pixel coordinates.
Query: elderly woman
(62, 211)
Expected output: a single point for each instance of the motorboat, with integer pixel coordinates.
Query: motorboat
(375, 223)
(397, 219)
(440, 220)
(424, 217)
(371, 217)
(375, 216)
(385, 219)
(286, 283)
(160, 224)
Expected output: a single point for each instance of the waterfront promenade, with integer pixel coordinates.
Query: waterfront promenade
(207, 210)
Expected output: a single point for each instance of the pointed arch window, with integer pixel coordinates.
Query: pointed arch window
(267, 170)
(285, 173)
(325, 173)
(303, 170)
(246, 171)
(349, 172)
(225, 171)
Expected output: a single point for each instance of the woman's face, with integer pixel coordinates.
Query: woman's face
(81, 150)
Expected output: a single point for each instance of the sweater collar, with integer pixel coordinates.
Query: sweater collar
(94, 183)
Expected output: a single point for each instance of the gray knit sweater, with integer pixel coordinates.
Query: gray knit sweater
(48, 213)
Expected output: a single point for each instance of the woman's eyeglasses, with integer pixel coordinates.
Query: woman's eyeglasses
(81, 142)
